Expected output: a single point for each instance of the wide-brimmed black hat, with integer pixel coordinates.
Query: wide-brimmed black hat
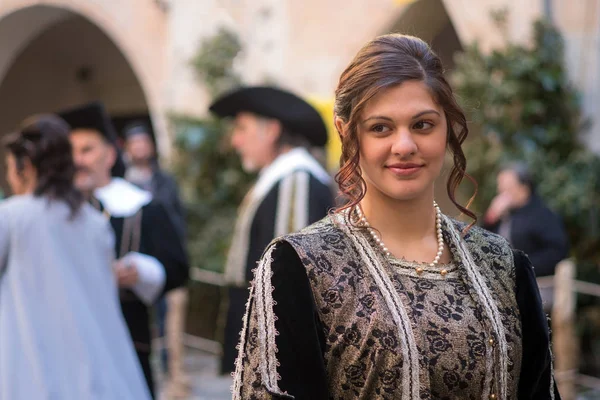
(295, 114)
(94, 116)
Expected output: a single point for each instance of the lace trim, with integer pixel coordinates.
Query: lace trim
(410, 368)
(262, 293)
(487, 301)
(236, 387)
(551, 371)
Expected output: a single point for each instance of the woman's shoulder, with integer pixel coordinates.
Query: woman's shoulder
(322, 234)
(482, 238)
(88, 213)
(488, 249)
(91, 218)
(18, 204)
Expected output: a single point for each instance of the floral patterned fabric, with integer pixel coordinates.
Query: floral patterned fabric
(457, 355)
(452, 337)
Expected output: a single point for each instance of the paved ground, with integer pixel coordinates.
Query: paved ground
(206, 384)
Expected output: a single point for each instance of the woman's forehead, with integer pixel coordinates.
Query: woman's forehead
(402, 101)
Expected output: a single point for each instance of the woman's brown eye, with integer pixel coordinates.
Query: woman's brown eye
(422, 125)
(379, 128)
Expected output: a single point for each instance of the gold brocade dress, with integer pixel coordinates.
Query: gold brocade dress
(332, 317)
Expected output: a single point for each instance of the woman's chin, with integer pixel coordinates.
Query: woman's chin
(404, 191)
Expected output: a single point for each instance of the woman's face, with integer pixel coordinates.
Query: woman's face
(20, 182)
(402, 134)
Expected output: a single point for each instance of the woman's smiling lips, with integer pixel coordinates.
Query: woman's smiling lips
(404, 169)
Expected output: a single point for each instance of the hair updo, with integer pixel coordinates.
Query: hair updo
(44, 141)
(385, 62)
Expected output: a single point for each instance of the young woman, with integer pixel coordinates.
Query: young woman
(62, 334)
(388, 298)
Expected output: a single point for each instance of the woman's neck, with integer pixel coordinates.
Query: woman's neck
(31, 183)
(406, 227)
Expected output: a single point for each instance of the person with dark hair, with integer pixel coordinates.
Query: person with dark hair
(151, 259)
(519, 214)
(144, 171)
(387, 297)
(62, 334)
(273, 132)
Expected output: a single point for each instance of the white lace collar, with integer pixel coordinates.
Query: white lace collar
(121, 198)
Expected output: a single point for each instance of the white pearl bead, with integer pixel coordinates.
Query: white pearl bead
(438, 227)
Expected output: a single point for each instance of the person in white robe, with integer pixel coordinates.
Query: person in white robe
(62, 333)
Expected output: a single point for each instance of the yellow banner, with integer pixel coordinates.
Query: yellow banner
(334, 146)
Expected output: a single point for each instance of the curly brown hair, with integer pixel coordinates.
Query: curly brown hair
(385, 62)
(44, 141)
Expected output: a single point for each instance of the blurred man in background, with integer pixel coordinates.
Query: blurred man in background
(144, 171)
(520, 215)
(272, 131)
(151, 259)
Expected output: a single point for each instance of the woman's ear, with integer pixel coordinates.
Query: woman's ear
(28, 172)
(340, 125)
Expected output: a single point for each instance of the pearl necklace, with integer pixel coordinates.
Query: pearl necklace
(440, 238)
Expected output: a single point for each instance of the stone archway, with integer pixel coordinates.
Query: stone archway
(56, 58)
(60, 52)
(70, 62)
(429, 20)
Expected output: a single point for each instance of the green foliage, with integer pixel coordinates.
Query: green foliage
(215, 60)
(522, 107)
(209, 172)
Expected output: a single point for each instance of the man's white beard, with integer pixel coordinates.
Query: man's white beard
(140, 162)
(249, 166)
(85, 183)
